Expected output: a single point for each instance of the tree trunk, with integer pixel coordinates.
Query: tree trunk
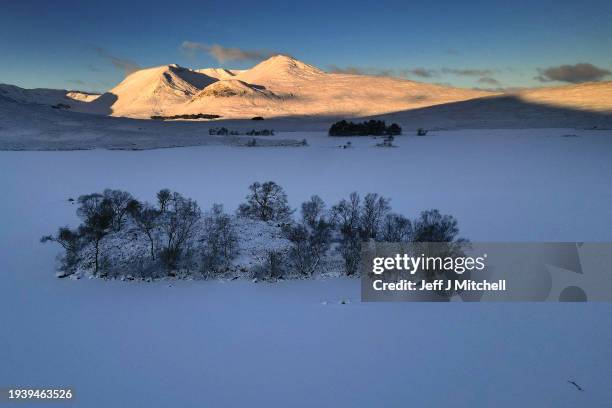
(96, 257)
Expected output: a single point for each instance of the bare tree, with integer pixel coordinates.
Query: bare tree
(373, 211)
(347, 212)
(146, 218)
(219, 241)
(310, 239)
(313, 211)
(266, 202)
(97, 215)
(308, 246)
(119, 202)
(163, 197)
(72, 243)
(432, 226)
(347, 215)
(396, 228)
(350, 249)
(178, 223)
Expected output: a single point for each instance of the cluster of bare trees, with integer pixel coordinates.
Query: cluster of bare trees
(168, 226)
(101, 214)
(344, 226)
(177, 236)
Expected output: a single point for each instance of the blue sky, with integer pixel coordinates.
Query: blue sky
(90, 45)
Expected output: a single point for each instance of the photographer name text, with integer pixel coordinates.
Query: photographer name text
(440, 284)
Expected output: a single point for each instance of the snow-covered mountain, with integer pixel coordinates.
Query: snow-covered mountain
(278, 86)
(282, 86)
(220, 73)
(44, 96)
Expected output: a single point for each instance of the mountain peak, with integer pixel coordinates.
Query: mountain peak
(282, 57)
(286, 62)
(279, 67)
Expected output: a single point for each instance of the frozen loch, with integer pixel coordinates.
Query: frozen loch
(305, 343)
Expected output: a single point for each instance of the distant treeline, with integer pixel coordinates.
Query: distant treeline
(187, 116)
(223, 131)
(368, 128)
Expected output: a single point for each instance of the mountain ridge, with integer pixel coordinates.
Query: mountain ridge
(284, 86)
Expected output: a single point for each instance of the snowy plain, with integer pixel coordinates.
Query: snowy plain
(239, 344)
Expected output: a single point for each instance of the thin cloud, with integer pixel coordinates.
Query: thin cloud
(511, 90)
(419, 72)
(489, 81)
(575, 74)
(346, 70)
(126, 65)
(224, 54)
(432, 73)
(382, 72)
(75, 82)
(468, 72)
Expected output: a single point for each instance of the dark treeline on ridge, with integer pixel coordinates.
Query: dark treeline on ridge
(368, 128)
(186, 116)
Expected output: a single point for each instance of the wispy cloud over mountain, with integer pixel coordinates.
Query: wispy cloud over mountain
(224, 54)
(489, 81)
(468, 71)
(126, 65)
(420, 72)
(361, 71)
(485, 74)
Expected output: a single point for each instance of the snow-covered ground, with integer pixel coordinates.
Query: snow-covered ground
(188, 343)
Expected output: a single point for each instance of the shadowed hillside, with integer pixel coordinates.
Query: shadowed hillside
(41, 127)
(499, 112)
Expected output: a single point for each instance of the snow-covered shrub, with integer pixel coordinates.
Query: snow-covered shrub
(266, 202)
(272, 265)
(387, 142)
(219, 242)
(218, 131)
(264, 132)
